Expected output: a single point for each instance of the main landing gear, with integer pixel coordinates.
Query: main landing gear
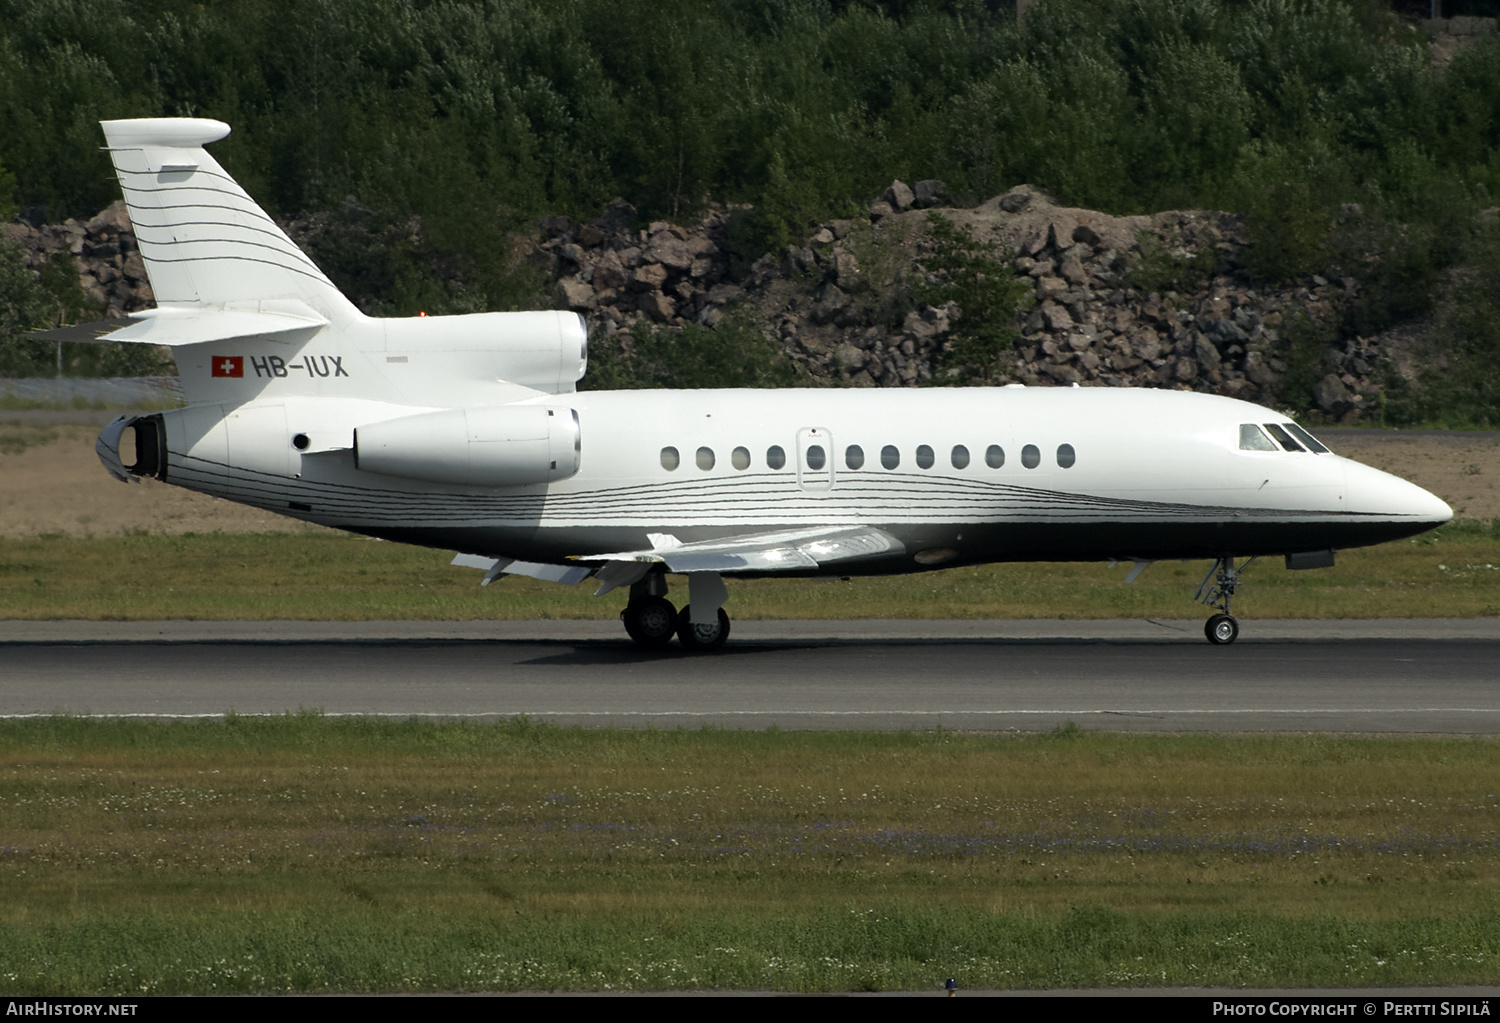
(652, 621)
(1217, 591)
(701, 638)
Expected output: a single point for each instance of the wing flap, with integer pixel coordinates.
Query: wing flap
(494, 568)
(795, 550)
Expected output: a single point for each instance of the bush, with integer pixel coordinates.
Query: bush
(734, 354)
(965, 271)
(1170, 267)
(23, 306)
(1458, 380)
(1306, 342)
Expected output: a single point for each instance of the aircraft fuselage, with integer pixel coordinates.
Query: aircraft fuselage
(957, 476)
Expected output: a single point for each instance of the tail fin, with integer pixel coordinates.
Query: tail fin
(249, 316)
(204, 240)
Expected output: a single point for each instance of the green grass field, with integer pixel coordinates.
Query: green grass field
(315, 854)
(1451, 572)
(312, 854)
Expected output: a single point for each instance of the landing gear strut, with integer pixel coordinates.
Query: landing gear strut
(652, 621)
(1217, 591)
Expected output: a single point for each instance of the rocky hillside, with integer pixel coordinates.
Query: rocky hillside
(110, 267)
(1156, 301)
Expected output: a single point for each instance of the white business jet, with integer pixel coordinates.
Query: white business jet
(467, 433)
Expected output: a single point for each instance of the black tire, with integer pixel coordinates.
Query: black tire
(702, 638)
(651, 622)
(1221, 630)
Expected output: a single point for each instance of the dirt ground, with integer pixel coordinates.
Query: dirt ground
(51, 480)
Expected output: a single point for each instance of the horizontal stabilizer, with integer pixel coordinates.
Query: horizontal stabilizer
(787, 551)
(174, 326)
(99, 330)
(177, 326)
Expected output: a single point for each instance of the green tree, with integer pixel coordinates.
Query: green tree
(733, 354)
(1458, 381)
(24, 306)
(965, 271)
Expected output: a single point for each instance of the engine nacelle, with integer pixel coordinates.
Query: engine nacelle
(490, 446)
(546, 350)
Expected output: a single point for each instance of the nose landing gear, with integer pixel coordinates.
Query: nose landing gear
(1217, 591)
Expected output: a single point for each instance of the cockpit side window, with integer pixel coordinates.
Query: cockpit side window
(1283, 438)
(1306, 438)
(1252, 439)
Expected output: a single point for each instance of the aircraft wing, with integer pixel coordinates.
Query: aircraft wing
(782, 551)
(494, 568)
(760, 552)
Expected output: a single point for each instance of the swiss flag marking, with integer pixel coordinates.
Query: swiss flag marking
(229, 366)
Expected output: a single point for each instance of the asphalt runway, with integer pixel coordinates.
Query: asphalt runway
(1390, 676)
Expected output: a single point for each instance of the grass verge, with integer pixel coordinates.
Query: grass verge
(1452, 572)
(312, 854)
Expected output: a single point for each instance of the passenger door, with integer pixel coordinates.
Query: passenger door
(814, 459)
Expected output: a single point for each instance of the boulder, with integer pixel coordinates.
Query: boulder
(1055, 317)
(574, 294)
(898, 195)
(657, 306)
(930, 193)
(649, 277)
(1332, 396)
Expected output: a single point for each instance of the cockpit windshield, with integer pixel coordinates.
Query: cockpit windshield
(1283, 438)
(1305, 438)
(1290, 437)
(1252, 439)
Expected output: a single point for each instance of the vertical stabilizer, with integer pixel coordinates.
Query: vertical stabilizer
(204, 240)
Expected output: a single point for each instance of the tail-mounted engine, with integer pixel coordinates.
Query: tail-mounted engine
(134, 446)
(492, 446)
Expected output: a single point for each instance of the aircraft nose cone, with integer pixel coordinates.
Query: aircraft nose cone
(1372, 492)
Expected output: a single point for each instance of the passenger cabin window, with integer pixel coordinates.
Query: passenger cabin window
(1283, 438)
(775, 457)
(889, 456)
(1306, 438)
(994, 456)
(854, 456)
(1252, 439)
(960, 457)
(925, 457)
(1031, 456)
(670, 459)
(705, 458)
(740, 458)
(816, 456)
(1066, 456)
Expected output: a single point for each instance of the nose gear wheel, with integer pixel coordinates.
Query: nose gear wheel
(1221, 629)
(1217, 591)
